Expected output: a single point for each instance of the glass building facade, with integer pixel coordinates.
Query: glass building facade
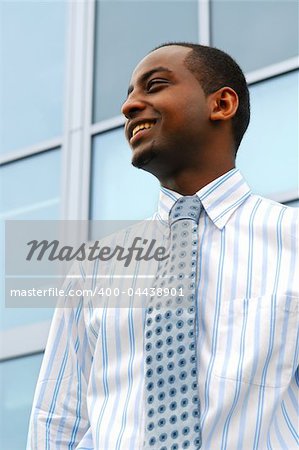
(65, 68)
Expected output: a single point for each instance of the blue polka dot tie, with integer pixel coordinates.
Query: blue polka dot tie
(172, 409)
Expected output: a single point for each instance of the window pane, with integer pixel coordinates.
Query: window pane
(256, 33)
(32, 52)
(119, 190)
(30, 189)
(268, 156)
(16, 399)
(125, 32)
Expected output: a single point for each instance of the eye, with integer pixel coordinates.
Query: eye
(155, 83)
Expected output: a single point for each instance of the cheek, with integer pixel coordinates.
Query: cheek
(183, 117)
(189, 123)
(190, 112)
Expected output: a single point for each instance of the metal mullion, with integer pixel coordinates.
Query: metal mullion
(77, 147)
(87, 138)
(76, 151)
(106, 125)
(21, 355)
(204, 29)
(273, 70)
(65, 168)
(35, 149)
(73, 103)
(14, 346)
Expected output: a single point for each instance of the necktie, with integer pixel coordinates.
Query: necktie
(172, 409)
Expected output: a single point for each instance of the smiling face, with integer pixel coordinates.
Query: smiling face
(167, 113)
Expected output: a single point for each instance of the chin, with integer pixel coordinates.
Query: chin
(142, 158)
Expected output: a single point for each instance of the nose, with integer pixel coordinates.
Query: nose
(132, 106)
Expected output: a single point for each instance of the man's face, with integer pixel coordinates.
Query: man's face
(167, 113)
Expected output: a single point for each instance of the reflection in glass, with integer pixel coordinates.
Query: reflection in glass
(32, 52)
(119, 190)
(256, 33)
(30, 189)
(268, 156)
(125, 32)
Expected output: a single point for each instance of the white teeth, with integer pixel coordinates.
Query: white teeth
(141, 126)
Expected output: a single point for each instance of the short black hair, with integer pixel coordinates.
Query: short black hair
(215, 69)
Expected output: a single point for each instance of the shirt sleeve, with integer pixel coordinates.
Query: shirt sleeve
(59, 416)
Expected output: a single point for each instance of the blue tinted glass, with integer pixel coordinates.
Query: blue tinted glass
(17, 383)
(32, 52)
(30, 189)
(256, 33)
(268, 156)
(119, 191)
(125, 32)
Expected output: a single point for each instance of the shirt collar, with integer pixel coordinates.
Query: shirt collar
(220, 198)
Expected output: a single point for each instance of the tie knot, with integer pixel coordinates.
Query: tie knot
(187, 207)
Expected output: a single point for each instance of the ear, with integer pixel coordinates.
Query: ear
(223, 104)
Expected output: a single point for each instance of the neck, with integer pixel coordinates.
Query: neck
(190, 181)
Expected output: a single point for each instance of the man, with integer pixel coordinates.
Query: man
(187, 110)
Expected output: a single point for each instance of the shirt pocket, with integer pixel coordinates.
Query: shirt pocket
(257, 340)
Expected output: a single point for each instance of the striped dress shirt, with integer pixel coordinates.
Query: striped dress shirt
(89, 395)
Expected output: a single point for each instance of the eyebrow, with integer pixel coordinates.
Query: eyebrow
(146, 75)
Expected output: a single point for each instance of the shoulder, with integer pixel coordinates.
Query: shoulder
(278, 209)
(265, 216)
(273, 215)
